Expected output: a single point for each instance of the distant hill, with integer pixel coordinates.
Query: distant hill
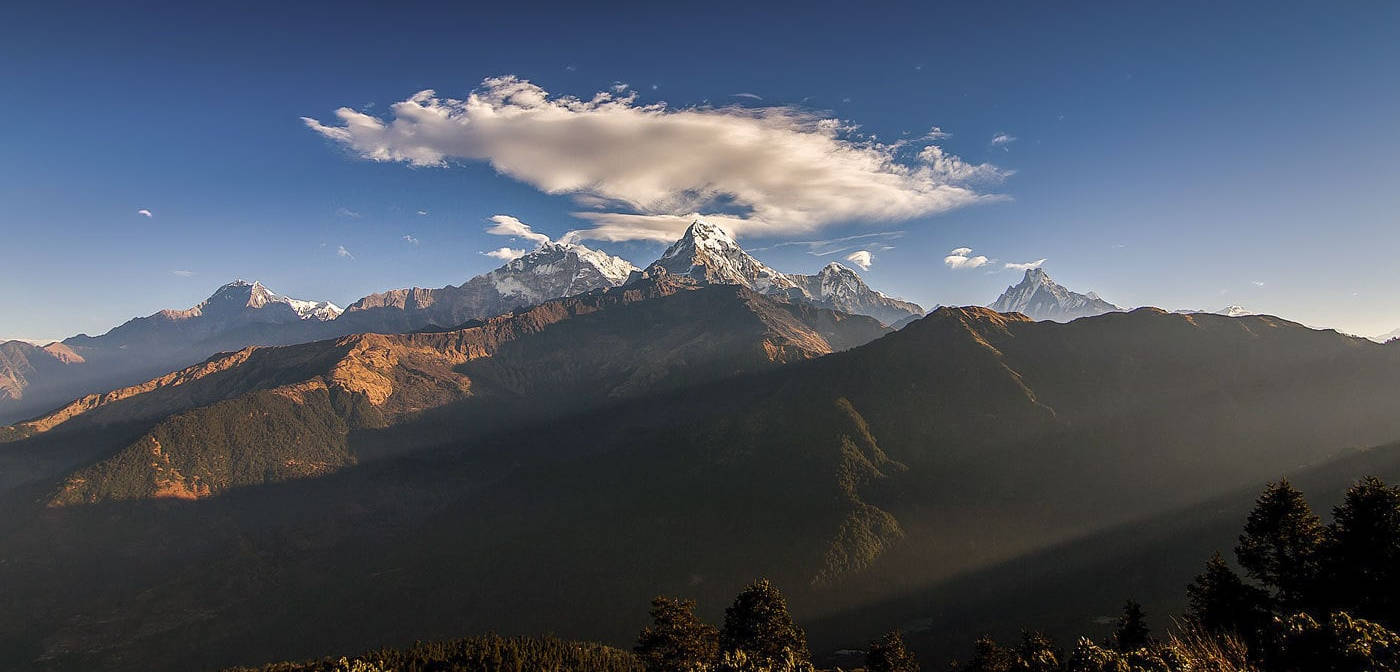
(596, 460)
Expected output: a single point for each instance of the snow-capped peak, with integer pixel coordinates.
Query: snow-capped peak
(706, 253)
(558, 269)
(1234, 311)
(239, 295)
(1039, 297)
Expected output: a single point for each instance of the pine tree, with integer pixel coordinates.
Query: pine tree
(677, 640)
(889, 654)
(1132, 632)
(1281, 543)
(1222, 603)
(759, 624)
(988, 656)
(1363, 552)
(1036, 653)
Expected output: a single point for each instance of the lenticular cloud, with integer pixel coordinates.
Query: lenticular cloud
(644, 170)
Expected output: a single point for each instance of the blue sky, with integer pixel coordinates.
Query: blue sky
(1185, 155)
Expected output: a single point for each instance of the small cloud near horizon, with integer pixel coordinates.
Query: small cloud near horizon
(422, 212)
(505, 225)
(408, 238)
(861, 258)
(961, 257)
(343, 253)
(144, 213)
(505, 253)
(183, 273)
(347, 212)
(750, 96)
(1026, 266)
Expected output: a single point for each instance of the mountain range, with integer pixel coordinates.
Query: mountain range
(551, 468)
(35, 379)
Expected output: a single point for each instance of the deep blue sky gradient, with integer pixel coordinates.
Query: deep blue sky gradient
(1170, 154)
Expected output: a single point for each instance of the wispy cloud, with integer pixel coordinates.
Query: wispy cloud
(505, 253)
(776, 170)
(1025, 266)
(408, 238)
(144, 213)
(505, 225)
(861, 258)
(750, 96)
(961, 258)
(422, 213)
(183, 273)
(822, 248)
(1257, 283)
(937, 133)
(347, 212)
(343, 253)
(1002, 140)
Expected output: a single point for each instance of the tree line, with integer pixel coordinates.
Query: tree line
(1313, 597)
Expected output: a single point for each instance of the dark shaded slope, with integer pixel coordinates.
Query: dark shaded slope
(966, 440)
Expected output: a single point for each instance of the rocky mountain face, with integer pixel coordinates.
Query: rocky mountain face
(566, 353)
(552, 271)
(234, 316)
(243, 314)
(1040, 298)
(707, 255)
(840, 288)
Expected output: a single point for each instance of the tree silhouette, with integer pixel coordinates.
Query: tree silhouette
(1222, 603)
(676, 640)
(1132, 632)
(1280, 544)
(1363, 552)
(759, 624)
(889, 654)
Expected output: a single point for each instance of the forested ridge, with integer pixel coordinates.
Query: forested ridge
(1311, 597)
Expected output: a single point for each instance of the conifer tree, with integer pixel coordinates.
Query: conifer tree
(890, 654)
(1221, 603)
(1363, 552)
(1132, 632)
(676, 640)
(1281, 543)
(759, 624)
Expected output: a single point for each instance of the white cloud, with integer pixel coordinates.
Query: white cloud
(619, 87)
(961, 257)
(755, 171)
(408, 238)
(340, 251)
(1002, 140)
(861, 258)
(1257, 283)
(422, 212)
(750, 96)
(347, 212)
(144, 212)
(1025, 266)
(505, 225)
(822, 248)
(937, 133)
(505, 253)
(183, 273)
